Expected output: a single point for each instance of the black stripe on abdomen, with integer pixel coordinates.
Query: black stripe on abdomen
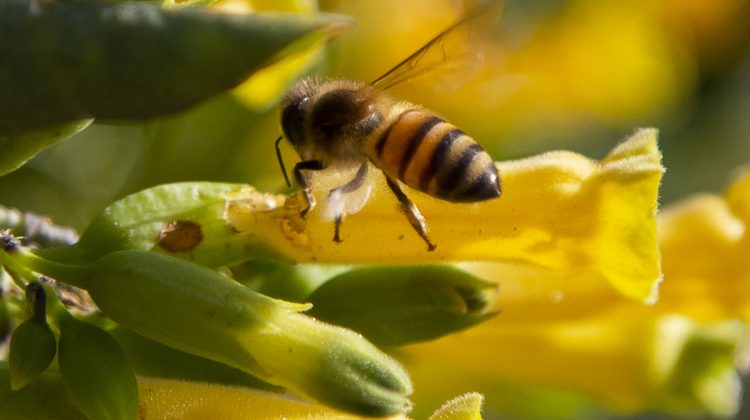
(455, 176)
(439, 157)
(416, 139)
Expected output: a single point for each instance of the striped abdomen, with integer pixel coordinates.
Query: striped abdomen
(431, 155)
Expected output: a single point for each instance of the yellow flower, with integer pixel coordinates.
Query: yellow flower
(171, 399)
(560, 213)
(585, 226)
(705, 244)
(184, 400)
(625, 358)
(561, 332)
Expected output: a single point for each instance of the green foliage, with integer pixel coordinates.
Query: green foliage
(19, 148)
(96, 371)
(126, 61)
(33, 344)
(197, 310)
(32, 349)
(45, 398)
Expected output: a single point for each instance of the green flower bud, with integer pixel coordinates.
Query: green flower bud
(183, 219)
(199, 311)
(33, 345)
(95, 370)
(399, 305)
(153, 359)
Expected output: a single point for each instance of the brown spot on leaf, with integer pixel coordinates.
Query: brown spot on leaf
(180, 235)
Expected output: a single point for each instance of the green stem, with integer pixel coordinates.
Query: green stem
(55, 309)
(25, 263)
(74, 275)
(16, 270)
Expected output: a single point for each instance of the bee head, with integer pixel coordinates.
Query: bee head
(328, 118)
(338, 111)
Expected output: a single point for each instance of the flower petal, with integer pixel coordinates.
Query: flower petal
(705, 245)
(164, 398)
(626, 358)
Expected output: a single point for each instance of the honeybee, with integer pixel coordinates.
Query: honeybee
(354, 124)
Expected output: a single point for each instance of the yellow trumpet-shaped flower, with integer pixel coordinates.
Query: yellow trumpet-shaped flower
(679, 354)
(626, 359)
(184, 400)
(560, 213)
(705, 243)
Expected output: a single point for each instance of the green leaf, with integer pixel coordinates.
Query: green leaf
(42, 399)
(96, 371)
(5, 325)
(33, 344)
(32, 348)
(400, 305)
(16, 149)
(74, 59)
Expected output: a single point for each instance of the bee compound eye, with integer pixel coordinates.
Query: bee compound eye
(293, 120)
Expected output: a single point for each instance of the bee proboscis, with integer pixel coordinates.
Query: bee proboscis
(349, 123)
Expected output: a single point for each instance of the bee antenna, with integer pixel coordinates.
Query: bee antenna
(281, 161)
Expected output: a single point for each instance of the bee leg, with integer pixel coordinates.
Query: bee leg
(339, 219)
(350, 186)
(412, 212)
(304, 182)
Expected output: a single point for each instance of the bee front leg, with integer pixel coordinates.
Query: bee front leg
(335, 194)
(412, 212)
(304, 182)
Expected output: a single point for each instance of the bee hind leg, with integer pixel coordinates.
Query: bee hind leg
(339, 219)
(335, 193)
(412, 212)
(304, 182)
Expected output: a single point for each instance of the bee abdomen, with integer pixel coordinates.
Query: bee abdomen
(431, 155)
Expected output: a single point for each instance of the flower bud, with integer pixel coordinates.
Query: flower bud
(399, 305)
(197, 310)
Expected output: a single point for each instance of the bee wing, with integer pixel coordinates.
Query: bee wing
(452, 57)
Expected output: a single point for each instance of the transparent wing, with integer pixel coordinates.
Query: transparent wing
(452, 57)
